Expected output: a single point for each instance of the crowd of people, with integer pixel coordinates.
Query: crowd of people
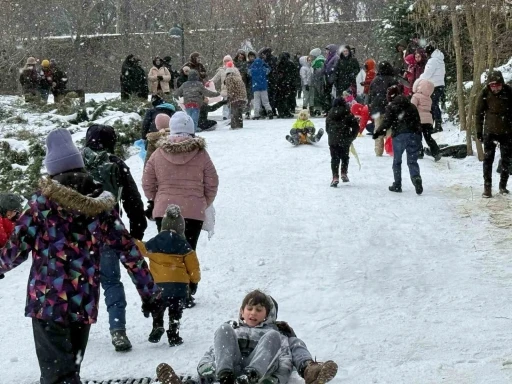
(77, 239)
(38, 80)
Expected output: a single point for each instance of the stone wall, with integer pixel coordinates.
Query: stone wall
(93, 63)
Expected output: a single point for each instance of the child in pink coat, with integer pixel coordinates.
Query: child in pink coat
(422, 90)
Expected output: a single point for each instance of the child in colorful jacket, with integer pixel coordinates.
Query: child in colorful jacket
(303, 130)
(64, 226)
(175, 268)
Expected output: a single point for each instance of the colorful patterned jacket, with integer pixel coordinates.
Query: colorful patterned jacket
(65, 230)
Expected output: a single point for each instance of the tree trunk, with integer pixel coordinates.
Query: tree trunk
(461, 100)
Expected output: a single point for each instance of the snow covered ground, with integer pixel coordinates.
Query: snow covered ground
(396, 288)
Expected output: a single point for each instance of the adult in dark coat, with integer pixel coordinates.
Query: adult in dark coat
(298, 85)
(286, 82)
(414, 44)
(271, 61)
(345, 72)
(403, 120)
(103, 138)
(60, 81)
(242, 65)
(342, 129)
(195, 64)
(167, 61)
(331, 62)
(133, 79)
(398, 58)
(203, 123)
(30, 80)
(493, 121)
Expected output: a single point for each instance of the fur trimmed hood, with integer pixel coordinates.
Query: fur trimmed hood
(182, 146)
(70, 199)
(181, 150)
(157, 136)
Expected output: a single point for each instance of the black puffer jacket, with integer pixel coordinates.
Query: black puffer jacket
(133, 79)
(341, 126)
(379, 87)
(286, 75)
(345, 73)
(103, 138)
(494, 110)
(401, 117)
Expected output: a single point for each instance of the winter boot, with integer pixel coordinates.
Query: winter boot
(487, 191)
(395, 188)
(503, 185)
(248, 115)
(250, 376)
(437, 157)
(417, 182)
(256, 118)
(320, 373)
(335, 181)
(344, 176)
(319, 135)
(120, 341)
(173, 334)
(292, 140)
(270, 115)
(156, 334)
(421, 154)
(304, 107)
(311, 111)
(166, 375)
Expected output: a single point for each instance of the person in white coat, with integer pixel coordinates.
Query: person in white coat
(306, 76)
(435, 72)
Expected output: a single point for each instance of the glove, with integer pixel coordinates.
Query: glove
(149, 211)
(153, 306)
(2, 276)
(480, 136)
(192, 288)
(375, 136)
(307, 88)
(285, 329)
(160, 78)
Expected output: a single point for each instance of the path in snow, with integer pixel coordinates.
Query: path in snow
(394, 287)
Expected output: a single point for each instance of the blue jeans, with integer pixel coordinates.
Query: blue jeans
(410, 143)
(194, 114)
(115, 299)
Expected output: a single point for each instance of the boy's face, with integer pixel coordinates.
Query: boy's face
(254, 315)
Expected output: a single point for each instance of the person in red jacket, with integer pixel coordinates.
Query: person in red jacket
(369, 67)
(10, 206)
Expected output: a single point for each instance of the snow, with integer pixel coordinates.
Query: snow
(396, 288)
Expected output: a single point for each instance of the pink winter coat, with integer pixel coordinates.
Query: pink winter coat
(422, 90)
(181, 172)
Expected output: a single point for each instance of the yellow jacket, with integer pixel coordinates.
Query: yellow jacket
(301, 124)
(171, 259)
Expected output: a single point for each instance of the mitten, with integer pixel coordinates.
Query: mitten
(160, 78)
(2, 276)
(149, 211)
(285, 329)
(375, 136)
(193, 288)
(153, 306)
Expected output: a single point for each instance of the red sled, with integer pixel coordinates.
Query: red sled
(361, 111)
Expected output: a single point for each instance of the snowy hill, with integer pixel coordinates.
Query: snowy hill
(396, 288)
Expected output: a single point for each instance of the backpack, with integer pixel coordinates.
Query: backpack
(103, 171)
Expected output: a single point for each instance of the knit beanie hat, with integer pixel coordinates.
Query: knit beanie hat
(315, 52)
(227, 58)
(393, 92)
(181, 123)
(173, 221)
(9, 202)
(61, 153)
(162, 121)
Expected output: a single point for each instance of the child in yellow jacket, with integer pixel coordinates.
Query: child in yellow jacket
(303, 130)
(175, 268)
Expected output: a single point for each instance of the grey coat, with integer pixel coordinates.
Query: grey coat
(193, 90)
(248, 338)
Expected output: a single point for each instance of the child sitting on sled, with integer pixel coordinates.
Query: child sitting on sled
(249, 351)
(175, 268)
(303, 130)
